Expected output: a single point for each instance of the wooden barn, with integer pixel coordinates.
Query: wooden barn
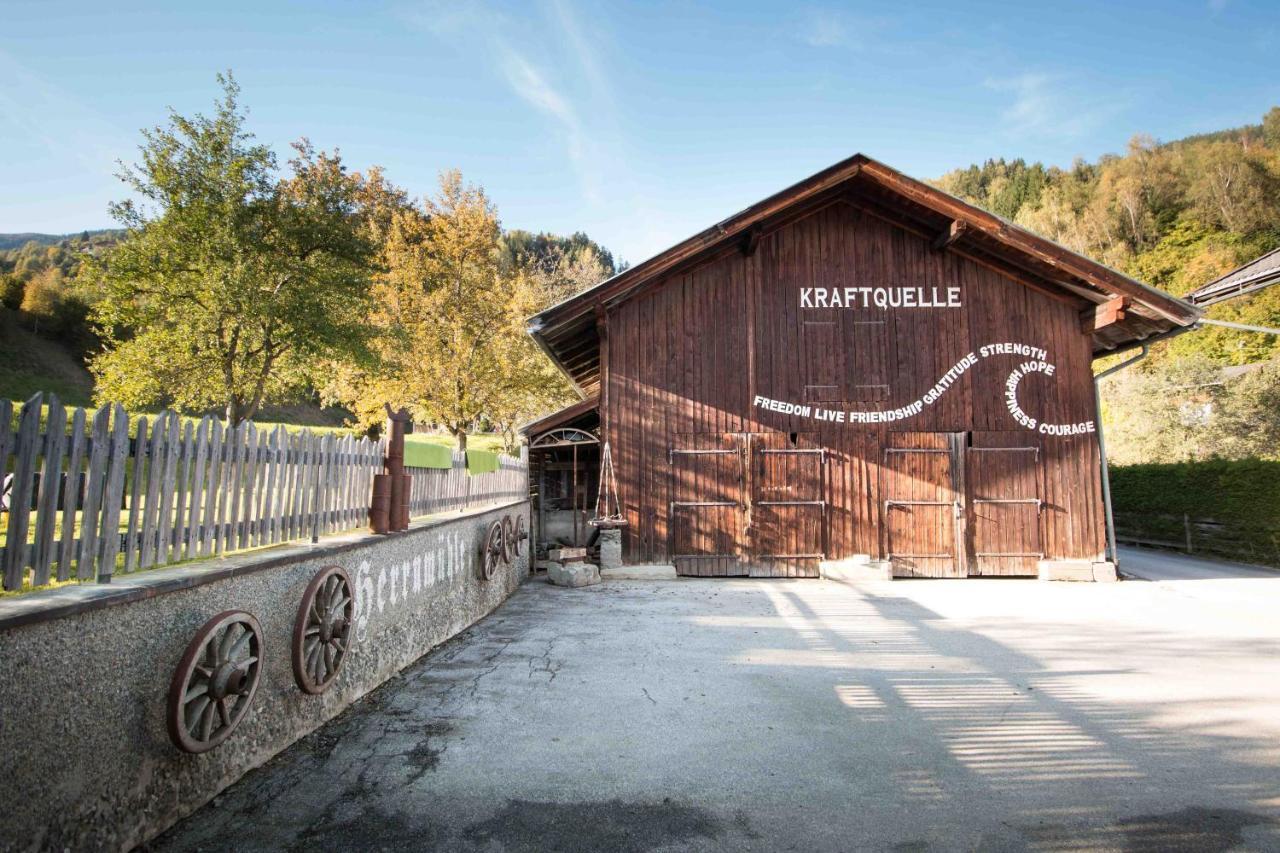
(860, 369)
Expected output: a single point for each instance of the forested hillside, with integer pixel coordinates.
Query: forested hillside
(1175, 215)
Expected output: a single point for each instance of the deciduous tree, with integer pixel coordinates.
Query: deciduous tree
(231, 281)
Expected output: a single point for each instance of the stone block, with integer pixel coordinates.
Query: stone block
(574, 574)
(610, 549)
(1075, 570)
(858, 567)
(648, 572)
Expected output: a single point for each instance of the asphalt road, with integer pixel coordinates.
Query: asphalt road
(1152, 565)
(802, 715)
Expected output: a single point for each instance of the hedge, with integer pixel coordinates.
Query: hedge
(1244, 490)
(1226, 507)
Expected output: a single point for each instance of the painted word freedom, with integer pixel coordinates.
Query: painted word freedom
(879, 297)
(1037, 363)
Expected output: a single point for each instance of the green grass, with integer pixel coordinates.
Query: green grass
(183, 420)
(490, 441)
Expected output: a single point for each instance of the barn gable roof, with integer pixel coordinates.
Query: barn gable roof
(1128, 310)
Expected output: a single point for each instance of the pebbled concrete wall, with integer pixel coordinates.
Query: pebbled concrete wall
(85, 759)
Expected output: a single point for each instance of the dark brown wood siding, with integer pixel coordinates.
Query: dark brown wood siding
(688, 355)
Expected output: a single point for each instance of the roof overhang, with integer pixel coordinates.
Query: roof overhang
(583, 414)
(1258, 274)
(568, 332)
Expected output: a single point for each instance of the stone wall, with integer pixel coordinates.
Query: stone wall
(85, 757)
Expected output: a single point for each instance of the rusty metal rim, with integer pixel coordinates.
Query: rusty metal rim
(302, 621)
(175, 716)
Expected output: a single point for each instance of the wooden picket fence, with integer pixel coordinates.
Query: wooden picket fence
(1231, 539)
(433, 490)
(89, 495)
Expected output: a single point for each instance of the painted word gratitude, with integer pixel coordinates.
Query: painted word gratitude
(1038, 362)
(879, 297)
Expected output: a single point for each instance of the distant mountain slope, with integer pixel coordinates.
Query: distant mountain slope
(15, 241)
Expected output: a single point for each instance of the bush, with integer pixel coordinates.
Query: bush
(11, 291)
(1242, 490)
(1226, 508)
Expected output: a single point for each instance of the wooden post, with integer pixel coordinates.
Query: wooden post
(24, 469)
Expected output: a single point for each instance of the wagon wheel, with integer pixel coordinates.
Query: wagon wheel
(508, 539)
(322, 630)
(215, 681)
(517, 542)
(491, 554)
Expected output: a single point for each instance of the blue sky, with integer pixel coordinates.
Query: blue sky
(637, 123)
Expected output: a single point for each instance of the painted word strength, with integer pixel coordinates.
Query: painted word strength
(880, 297)
(1037, 361)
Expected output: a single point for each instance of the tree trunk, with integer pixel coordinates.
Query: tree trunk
(461, 436)
(233, 411)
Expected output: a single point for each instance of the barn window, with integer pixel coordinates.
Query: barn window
(845, 356)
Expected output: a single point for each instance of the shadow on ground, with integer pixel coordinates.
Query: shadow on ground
(795, 715)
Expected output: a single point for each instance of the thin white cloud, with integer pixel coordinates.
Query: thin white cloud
(31, 106)
(554, 89)
(532, 86)
(824, 28)
(584, 52)
(829, 28)
(1046, 105)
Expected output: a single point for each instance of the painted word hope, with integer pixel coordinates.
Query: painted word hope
(879, 297)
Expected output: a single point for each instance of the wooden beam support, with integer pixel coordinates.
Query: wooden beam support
(1101, 316)
(750, 240)
(952, 234)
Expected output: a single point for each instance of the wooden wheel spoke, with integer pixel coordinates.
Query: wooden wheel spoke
(229, 637)
(239, 645)
(206, 721)
(194, 714)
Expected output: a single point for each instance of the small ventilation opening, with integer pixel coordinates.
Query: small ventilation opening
(793, 439)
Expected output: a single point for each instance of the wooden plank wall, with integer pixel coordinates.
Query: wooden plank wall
(687, 356)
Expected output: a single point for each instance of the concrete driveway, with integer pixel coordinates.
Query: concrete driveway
(801, 715)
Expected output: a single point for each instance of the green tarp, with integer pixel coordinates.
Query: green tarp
(425, 454)
(481, 462)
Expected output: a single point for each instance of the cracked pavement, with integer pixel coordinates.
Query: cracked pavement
(800, 715)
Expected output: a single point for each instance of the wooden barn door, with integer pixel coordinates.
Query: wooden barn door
(707, 513)
(924, 511)
(787, 482)
(1003, 476)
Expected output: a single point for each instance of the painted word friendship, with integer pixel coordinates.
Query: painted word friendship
(1038, 362)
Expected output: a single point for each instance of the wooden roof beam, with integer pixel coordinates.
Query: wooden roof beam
(953, 233)
(1109, 313)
